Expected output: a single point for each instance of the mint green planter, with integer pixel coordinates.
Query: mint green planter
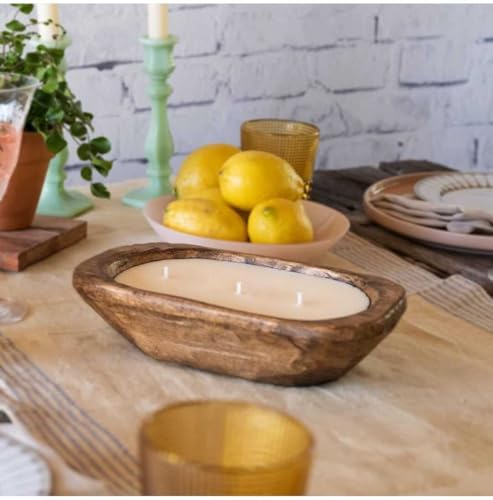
(158, 63)
(55, 200)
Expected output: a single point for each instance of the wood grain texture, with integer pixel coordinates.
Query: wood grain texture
(344, 189)
(46, 236)
(222, 340)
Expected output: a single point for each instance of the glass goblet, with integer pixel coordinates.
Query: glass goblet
(16, 95)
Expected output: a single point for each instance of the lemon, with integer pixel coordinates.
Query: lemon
(250, 177)
(279, 221)
(206, 218)
(200, 169)
(213, 194)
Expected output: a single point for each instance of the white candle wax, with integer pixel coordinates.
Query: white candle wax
(157, 20)
(262, 290)
(47, 11)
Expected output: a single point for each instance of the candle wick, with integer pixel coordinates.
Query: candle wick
(166, 272)
(299, 298)
(238, 288)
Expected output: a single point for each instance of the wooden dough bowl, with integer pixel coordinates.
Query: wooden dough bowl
(226, 341)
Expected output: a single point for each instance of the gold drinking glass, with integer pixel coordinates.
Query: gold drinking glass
(296, 142)
(224, 448)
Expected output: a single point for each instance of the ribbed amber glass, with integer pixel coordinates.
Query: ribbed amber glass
(224, 448)
(296, 142)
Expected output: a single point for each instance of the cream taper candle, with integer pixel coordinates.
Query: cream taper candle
(47, 11)
(157, 20)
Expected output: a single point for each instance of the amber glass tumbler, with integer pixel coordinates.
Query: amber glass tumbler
(224, 448)
(296, 142)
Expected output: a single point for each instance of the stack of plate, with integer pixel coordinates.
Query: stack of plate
(467, 191)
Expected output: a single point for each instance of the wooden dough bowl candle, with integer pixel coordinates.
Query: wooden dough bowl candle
(224, 339)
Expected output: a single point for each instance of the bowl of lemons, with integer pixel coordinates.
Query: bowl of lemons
(244, 201)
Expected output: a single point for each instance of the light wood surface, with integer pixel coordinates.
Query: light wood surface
(414, 417)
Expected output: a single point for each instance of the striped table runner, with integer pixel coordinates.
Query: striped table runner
(51, 415)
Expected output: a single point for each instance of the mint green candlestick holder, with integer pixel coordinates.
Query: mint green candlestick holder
(158, 63)
(55, 199)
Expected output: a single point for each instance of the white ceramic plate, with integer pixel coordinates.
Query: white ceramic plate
(329, 226)
(22, 471)
(469, 191)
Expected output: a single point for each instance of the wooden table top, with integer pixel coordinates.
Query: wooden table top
(414, 417)
(344, 189)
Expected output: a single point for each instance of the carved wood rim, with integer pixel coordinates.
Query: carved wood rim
(387, 299)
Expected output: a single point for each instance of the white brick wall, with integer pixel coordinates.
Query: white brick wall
(383, 82)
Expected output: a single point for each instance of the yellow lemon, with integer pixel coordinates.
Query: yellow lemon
(213, 194)
(200, 169)
(279, 221)
(250, 177)
(206, 218)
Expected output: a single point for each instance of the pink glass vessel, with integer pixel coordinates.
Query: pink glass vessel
(16, 95)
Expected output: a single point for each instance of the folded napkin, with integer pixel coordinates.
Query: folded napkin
(66, 481)
(450, 217)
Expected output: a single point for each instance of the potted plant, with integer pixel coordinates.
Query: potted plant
(55, 111)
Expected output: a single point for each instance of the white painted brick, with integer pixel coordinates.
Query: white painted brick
(269, 75)
(487, 154)
(477, 22)
(260, 28)
(383, 112)
(255, 28)
(132, 131)
(350, 152)
(102, 32)
(472, 104)
(420, 145)
(454, 147)
(435, 62)
(194, 126)
(353, 68)
(135, 82)
(322, 110)
(194, 80)
(301, 61)
(196, 30)
(348, 22)
(100, 91)
(398, 21)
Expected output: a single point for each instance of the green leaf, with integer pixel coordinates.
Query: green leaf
(40, 73)
(100, 145)
(99, 190)
(86, 173)
(50, 85)
(102, 166)
(55, 115)
(84, 152)
(15, 25)
(55, 142)
(78, 130)
(33, 58)
(25, 8)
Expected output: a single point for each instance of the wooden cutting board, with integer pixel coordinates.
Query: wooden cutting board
(47, 235)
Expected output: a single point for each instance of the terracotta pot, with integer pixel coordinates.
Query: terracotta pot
(19, 204)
